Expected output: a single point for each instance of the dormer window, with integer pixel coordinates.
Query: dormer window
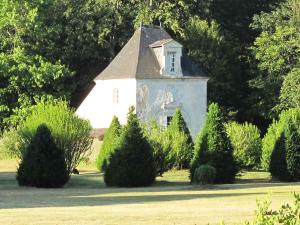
(168, 54)
(171, 60)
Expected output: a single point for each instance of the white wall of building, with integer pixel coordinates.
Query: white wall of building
(159, 98)
(108, 98)
(153, 98)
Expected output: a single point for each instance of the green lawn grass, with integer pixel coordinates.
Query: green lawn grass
(171, 200)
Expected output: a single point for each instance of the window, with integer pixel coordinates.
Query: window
(115, 95)
(169, 118)
(171, 58)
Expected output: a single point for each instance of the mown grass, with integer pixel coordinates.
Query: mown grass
(171, 200)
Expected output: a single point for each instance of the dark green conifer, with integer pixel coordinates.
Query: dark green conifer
(278, 164)
(213, 147)
(293, 147)
(43, 164)
(131, 164)
(110, 142)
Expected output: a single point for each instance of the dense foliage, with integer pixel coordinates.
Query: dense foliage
(177, 143)
(155, 135)
(56, 48)
(276, 50)
(132, 163)
(283, 147)
(109, 144)
(275, 131)
(213, 147)
(43, 163)
(71, 134)
(246, 142)
(286, 215)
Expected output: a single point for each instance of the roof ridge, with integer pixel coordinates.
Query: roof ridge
(139, 50)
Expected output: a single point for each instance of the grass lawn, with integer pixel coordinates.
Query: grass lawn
(86, 200)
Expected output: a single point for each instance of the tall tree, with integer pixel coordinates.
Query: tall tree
(276, 50)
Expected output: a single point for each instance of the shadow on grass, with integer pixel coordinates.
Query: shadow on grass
(88, 189)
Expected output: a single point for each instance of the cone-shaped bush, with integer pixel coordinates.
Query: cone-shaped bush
(43, 164)
(131, 164)
(213, 147)
(110, 142)
(278, 164)
(178, 144)
(178, 124)
(293, 147)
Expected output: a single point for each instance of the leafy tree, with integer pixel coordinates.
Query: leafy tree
(213, 147)
(110, 142)
(43, 164)
(131, 164)
(70, 133)
(276, 50)
(290, 91)
(246, 142)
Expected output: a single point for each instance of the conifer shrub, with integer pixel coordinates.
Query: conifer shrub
(205, 174)
(178, 143)
(71, 134)
(246, 142)
(43, 163)
(213, 147)
(293, 147)
(132, 163)
(278, 164)
(285, 156)
(273, 134)
(110, 142)
(268, 142)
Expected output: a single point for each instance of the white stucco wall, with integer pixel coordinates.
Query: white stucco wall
(159, 98)
(153, 99)
(99, 106)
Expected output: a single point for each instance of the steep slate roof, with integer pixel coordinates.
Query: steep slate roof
(137, 59)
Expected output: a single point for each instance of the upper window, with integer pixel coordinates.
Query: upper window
(171, 60)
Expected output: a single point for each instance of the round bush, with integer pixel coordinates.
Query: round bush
(43, 164)
(205, 174)
(246, 142)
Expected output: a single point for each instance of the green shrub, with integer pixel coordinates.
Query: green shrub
(70, 133)
(178, 143)
(10, 144)
(205, 174)
(285, 156)
(155, 137)
(286, 215)
(278, 164)
(273, 134)
(213, 147)
(43, 164)
(293, 146)
(246, 142)
(110, 142)
(132, 163)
